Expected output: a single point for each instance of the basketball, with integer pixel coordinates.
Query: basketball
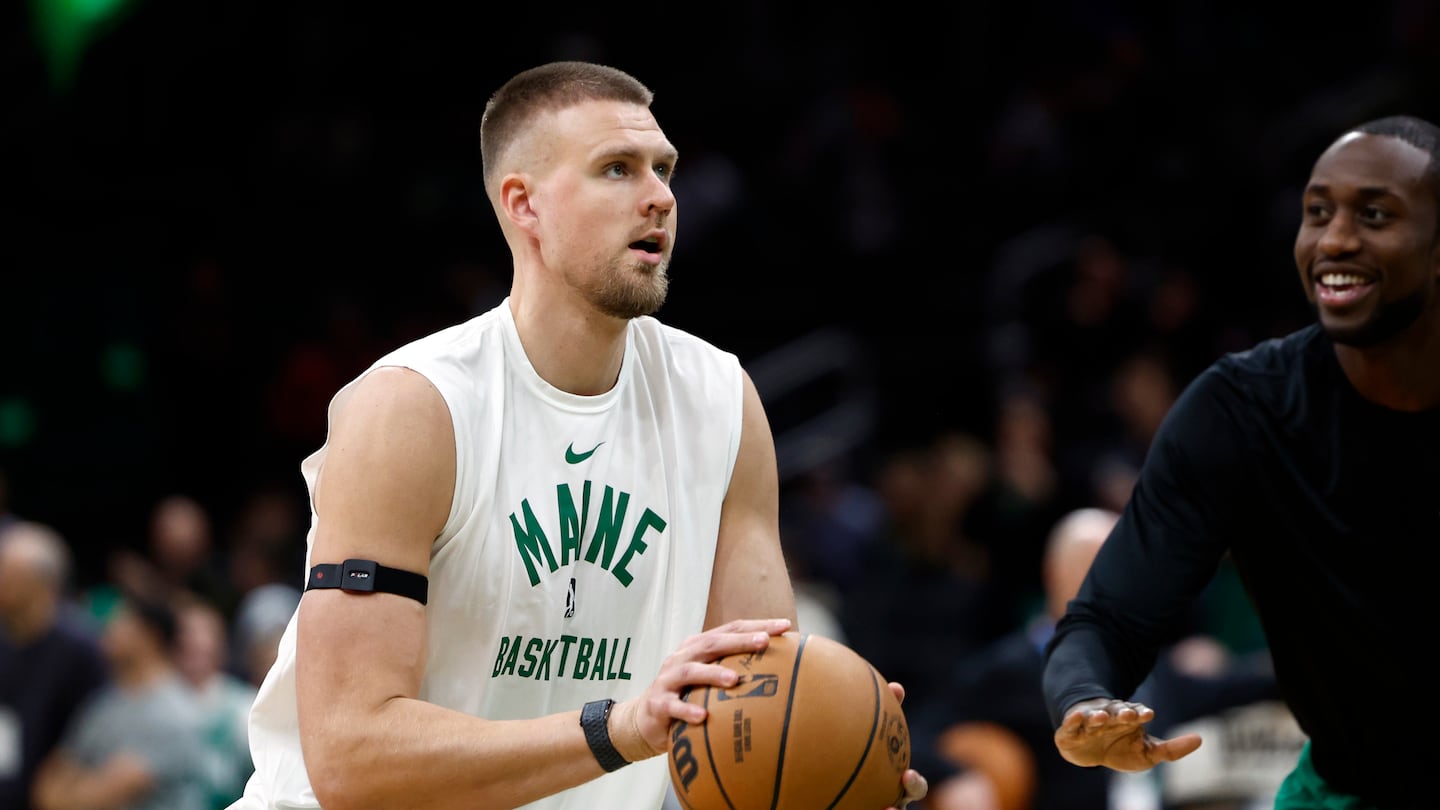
(811, 724)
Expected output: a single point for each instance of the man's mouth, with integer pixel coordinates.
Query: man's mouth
(648, 244)
(1337, 288)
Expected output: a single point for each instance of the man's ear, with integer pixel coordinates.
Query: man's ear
(515, 202)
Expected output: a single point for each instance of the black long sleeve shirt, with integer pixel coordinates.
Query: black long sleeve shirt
(1330, 508)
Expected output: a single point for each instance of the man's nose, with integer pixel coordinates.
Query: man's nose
(1339, 236)
(661, 197)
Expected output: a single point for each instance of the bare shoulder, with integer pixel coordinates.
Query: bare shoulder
(392, 416)
(390, 460)
(389, 389)
(391, 405)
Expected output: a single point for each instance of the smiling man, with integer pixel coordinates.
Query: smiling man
(1314, 461)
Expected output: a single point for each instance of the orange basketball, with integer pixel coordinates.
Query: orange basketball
(810, 725)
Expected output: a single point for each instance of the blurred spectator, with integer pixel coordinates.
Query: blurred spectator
(179, 557)
(829, 523)
(960, 471)
(992, 718)
(49, 661)
(135, 745)
(223, 699)
(925, 600)
(1179, 322)
(1142, 387)
(255, 635)
(267, 558)
(1022, 502)
(125, 567)
(182, 550)
(267, 539)
(1092, 320)
(1024, 442)
(1112, 480)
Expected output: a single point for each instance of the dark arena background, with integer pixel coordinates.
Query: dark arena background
(984, 245)
(220, 210)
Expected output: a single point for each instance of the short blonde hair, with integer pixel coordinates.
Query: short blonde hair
(547, 88)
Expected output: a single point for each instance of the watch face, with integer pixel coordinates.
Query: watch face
(597, 709)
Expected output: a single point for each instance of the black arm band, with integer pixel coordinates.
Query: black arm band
(368, 576)
(594, 718)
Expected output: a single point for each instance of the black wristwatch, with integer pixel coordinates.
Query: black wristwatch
(594, 719)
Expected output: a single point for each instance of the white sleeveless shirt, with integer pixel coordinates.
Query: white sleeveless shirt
(579, 546)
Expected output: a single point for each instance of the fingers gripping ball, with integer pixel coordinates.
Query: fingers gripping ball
(810, 725)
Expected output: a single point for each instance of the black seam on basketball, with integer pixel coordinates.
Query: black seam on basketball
(785, 729)
(710, 752)
(864, 755)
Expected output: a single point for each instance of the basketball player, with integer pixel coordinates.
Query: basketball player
(534, 513)
(1314, 459)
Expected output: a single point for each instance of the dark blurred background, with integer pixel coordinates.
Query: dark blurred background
(220, 211)
(969, 253)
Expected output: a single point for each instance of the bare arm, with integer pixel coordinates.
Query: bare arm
(750, 578)
(62, 784)
(385, 494)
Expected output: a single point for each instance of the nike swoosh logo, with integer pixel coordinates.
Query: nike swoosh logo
(575, 458)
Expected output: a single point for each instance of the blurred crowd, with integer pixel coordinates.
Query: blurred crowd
(134, 690)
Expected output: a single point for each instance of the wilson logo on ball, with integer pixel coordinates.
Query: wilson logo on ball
(683, 765)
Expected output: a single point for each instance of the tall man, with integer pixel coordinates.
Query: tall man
(558, 514)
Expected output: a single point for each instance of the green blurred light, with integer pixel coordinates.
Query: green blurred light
(122, 366)
(65, 28)
(17, 422)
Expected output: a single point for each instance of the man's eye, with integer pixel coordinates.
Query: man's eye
(1316, 211)
(1374, 213)
(615, 170)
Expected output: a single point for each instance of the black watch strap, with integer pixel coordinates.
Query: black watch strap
(594, 719)
(368, 576)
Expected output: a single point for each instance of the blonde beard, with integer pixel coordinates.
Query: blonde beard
(630, 292)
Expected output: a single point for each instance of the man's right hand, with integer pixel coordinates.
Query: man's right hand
(640, 728)
(1103, 731)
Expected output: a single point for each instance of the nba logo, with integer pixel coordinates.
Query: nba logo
(754, 686)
